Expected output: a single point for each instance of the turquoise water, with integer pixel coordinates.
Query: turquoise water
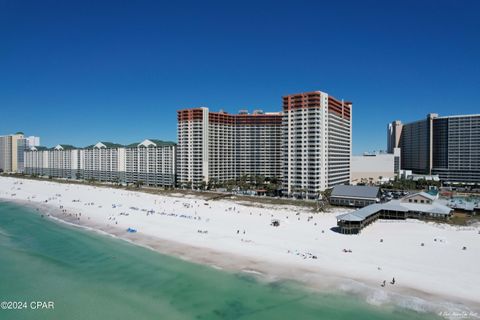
(90, 276)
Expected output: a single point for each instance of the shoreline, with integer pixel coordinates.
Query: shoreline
(171, 237)
(407, 298)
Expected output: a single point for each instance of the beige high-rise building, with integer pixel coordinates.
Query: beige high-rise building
(11, 152)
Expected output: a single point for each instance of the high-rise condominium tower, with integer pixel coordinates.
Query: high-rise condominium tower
(317, 141)
(11, 152)
(32, 141)
(448, 146)
(394, 131)
(218, 147)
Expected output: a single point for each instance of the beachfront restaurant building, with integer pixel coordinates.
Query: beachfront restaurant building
(354, 196)
(418, 206)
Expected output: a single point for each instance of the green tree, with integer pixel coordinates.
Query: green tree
(326, 194)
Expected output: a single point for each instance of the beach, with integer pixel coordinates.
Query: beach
(87, 275)
(237, 236)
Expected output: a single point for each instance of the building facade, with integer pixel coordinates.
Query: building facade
(32, 141)
(64, 161)
(218, 147)
(354, 196)
(104, 161)
(456, 148)
(375, 167)
(61, 161)
(151, 162)
(11, 152)
(420, 205)
(446, 146)
(193, 146)
(394, 132)
(416, 145)
(317, 144)
(36, 161)
(258, 144)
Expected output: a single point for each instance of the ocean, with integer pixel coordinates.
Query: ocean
(55, 271)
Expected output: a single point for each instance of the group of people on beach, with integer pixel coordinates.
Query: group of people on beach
(195, 205)
(385, 282)
(303, 255)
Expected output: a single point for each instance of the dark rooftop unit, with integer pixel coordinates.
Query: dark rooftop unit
(354, 196)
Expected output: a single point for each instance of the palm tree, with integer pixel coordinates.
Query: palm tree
(259, 181)
(116, 181)
(325, 195)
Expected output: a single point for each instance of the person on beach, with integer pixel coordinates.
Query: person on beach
(393, 281)
(383, 284)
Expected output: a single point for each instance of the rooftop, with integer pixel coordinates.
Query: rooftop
(103, 144)
(38, 148)
(423, 194)
(63, 147)
(395, 205)
(151, 142)
(459, 116)
(355, 191)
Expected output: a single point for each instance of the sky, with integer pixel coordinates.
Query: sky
(78, 72)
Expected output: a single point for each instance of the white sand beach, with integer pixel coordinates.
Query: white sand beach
(233, 236)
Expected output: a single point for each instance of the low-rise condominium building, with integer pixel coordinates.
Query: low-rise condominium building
(150, 162)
